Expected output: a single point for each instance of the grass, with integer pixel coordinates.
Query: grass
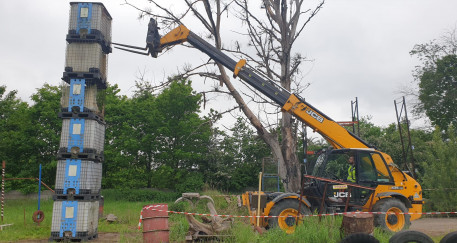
(25, 228)
(312, 230)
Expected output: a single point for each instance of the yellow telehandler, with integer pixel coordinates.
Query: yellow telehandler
(375, 183)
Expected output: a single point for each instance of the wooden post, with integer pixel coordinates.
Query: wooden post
(348, 198)
(258, 199)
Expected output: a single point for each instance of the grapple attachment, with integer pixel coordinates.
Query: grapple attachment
(152, 42)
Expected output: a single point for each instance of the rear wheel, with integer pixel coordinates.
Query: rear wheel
(359, 238)
(410, 236)
(286, 211)
(449, 238)
(395, 218)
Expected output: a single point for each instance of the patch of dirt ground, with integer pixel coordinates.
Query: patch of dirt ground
(434, 226)
(103, 237)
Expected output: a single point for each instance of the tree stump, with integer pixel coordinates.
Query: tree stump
(357, 223)
(210, 227)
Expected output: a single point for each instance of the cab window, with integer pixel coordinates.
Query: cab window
(367, 172)
(382, 171)
(373, 168)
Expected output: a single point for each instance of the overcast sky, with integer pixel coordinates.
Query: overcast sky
(360, 47)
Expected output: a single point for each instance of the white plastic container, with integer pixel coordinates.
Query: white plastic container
(88, 180)
(93, 134)
(91, 100)
(85, 215)
(100, 18)
(84, 56)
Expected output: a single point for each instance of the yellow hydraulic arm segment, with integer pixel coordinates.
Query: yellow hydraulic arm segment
(335, 134)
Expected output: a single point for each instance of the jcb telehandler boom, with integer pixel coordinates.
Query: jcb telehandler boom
(376, 183)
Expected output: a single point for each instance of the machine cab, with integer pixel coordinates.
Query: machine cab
(363, 167)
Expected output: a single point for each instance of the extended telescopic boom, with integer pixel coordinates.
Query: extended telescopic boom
(335, 134)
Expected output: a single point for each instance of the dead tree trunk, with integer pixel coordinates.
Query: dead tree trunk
(272, 37)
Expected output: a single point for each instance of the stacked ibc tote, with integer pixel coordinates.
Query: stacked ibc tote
(79, 167)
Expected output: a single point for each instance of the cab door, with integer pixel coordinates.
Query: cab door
(371, 171)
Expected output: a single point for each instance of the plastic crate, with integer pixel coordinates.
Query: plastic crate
(80, 176)
(90, 78)
(74, 219)
(86, 58)
(65, 114)
(82, 133)
(89, 154)
(93, 99)
(90, 22)
(76, 197)
(80, 236)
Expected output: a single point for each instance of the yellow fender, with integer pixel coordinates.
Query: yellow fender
(270, 204)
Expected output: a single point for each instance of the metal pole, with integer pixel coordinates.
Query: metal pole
(401, 134)
(305, 147)
(355, 116)
(358, 119)
(3, 186)
(410, 147)
(352, 114)
(39, 188)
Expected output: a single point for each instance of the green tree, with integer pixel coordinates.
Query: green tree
(437, 79)
(237, 159)
(119, 169)
(440, 169)
(155, 140)
(30, 135)
(182, 136)
(15, 130)
(46, 131)
(438, 92)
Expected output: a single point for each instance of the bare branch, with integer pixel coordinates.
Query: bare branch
(199, 16)
(313, 13)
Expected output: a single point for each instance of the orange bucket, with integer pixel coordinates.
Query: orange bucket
(155, 223)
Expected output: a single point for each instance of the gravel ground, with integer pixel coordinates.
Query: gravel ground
(434, 226)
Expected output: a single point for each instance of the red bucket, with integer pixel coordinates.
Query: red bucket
(155, 223)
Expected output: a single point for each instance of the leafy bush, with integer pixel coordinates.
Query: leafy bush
(139, 195)
(440, 170)
(192, 182)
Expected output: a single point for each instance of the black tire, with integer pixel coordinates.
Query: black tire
(286, 207)
(449, 238)
(391, 222)
(359, 238)
(410, 236)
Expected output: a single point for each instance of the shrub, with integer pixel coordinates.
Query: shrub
(139, 195)
(440, 170)
(192, 182)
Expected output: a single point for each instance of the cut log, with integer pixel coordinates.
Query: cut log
(357, 223)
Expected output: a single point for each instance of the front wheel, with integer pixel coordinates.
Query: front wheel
(395, 218)
(287, 214)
